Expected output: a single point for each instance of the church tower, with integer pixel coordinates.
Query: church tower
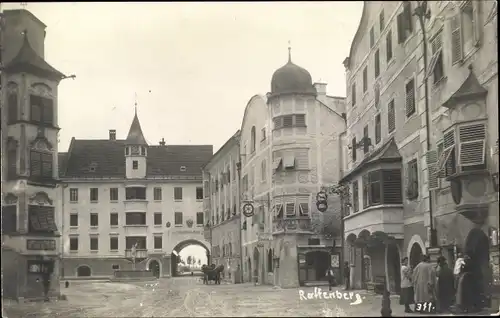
(136, 151)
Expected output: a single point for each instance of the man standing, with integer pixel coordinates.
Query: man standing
(331, 277)
(406, 297)
(445, 285)
(459, 263)
(424, 278)
(347, 275)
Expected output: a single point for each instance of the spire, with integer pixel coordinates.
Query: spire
(135, 135)
(289, 52)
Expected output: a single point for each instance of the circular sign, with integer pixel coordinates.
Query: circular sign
(248, 210)
(321, 196)
(322, 206)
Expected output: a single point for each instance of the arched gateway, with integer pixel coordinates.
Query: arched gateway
(174, 256)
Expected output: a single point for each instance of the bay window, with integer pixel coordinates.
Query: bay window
(382, 187)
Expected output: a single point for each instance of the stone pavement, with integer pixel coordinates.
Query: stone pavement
(188, 297)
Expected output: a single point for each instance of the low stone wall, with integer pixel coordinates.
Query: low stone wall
(133, 275)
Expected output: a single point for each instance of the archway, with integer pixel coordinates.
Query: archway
(415, 255)
(477, 246)
(154, 267)
(176, 258)
(83, 271)
(317, 263)
(394, 268)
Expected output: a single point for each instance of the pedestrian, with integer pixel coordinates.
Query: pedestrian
(424, 277)
(458, 268)
(466, 293)
(445, 286)
(347, 275)
(330, 274)
(407, 295)
(46, 284)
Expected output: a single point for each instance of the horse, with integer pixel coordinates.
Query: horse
(212, 273)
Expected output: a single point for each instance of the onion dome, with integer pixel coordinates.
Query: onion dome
(291, 78)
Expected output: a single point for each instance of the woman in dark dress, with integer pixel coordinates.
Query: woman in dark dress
(466, 291)
(445, 285)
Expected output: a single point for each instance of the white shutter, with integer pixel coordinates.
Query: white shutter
(472, 145)
(433, 62)
(456, 39)
(304, 209)
(289, 161)
(432, 169)
(276, 163)
(290, 209)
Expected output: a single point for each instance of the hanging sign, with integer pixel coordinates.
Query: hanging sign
(248, 210)
(322, 206)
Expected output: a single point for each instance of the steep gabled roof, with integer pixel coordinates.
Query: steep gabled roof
(27, 60)
(135, 135)
(470, 90)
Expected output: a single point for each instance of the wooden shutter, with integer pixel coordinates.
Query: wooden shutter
(304, 209)
(472, 145)
(302, 159)
(392, 187)
(288, 121)
(300, 120)
(400, 26)
(391, 116)
(290, 209)
(410, 98)
(432, 169)
(278, 122)
(456, 39)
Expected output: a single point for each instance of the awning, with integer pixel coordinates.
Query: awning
(277, 163)
(289, 161)
(42, 218)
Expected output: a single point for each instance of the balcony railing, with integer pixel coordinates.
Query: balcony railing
(295, 224)
(136, 205)
(139, 253)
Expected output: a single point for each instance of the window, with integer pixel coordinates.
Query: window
(355, 196)
(115, 267)
(135, 218)
(388, 45)
(353, 94)
(113, 219)
(94, 243)
(12, 160)
(290, 209)
(199, 192)
(94, 219)
(405, 22)
(263, 170)
(471, 147)
(378, 129)
(178, 218)
(252, 140)
(199, 218)
(304, 209)
(377, 63)
(381, 20)
(12, 102)
(41, 164)
(436, 63)
(157, 194)
(135, 164)
(73, 219)
(289, 121)
(354, 145)
(382, 187)
(143, 151)
(365, 79)
(41, 110)
(158, 243)
(391, 117)
(157, 218)
(73, 243)
(410, 98)
(135, 193)
(289, 161)
(313, 241)
(94, 194)
(372, 37)
(178, 193)
(263, 134)
(113, 194)
(465, 31)
(113, 243)
(73, 195)
(366, 143)
(412, 177)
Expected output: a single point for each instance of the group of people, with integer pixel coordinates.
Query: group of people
(440, 285)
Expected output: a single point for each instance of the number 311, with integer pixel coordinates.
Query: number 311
(425, 306)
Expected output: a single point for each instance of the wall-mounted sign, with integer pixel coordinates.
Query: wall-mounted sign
(248, 210)
(41, 245)
(335, 261)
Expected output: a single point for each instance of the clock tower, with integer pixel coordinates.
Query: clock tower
(136, 151)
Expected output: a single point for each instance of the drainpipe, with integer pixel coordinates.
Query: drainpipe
(422, 13)
(238, 168)
(61, 271)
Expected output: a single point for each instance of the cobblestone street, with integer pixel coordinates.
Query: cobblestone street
(187, 296)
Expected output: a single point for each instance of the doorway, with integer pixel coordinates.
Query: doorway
(154, 267)
(415, 255)
(83, 271)
(477, 248)
(394, 268)
(317, 263)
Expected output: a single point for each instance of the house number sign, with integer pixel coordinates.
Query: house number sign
(41, 245)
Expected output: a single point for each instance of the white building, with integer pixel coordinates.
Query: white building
(121, 193)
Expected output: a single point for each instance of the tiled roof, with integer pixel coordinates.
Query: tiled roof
(470, 89)
(135, 135)
(106, 158)
(28, 60)
(61, 160)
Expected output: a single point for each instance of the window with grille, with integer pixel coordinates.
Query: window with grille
(41, 164)
(354, 145)
(94, 243)
(178, 192)
(412, 187)
(113, 219)
(378, 129)
(94, 219)
(377, 63)
(94, 194)
(158, 218)
(355, 196)
(73, 243)
(372, 37)
(410, 98)
(353, 94)
(113, 243)
(391, 117)
(388, 45)
(73, 219)
(157, 194)
(158, 242)
(290, 209)
(365, 79)
(381, 19)
(73, 195)
(178, 218)
(436, 63)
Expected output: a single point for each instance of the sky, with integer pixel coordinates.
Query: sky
(192, 67)
(194, 250)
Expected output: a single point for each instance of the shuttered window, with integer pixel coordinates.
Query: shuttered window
(377, 64)
(290, 209)
(410, 98)
(353, 94)
(432, 178)
(354, 144)
(446, 161)
(388, 45)
(391, 116)
(392, 187)
(381, 20)
(355, 196)
(436, 63)
(378, 129)
(365, 79)
(302, 159)
(456, 39)
(412, 180)
(381, 187)
(41, 164)
(12, 107)
(288, 121)
(304, 209)
(278, 122)
(472, 145)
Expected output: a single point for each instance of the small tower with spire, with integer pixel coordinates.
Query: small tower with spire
(136, 150)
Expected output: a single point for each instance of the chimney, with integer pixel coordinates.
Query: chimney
(320, 88)
(112, 134)
(162, 142)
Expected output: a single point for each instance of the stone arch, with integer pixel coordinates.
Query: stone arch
(181, 245)
(151, 262)
(83, 270)
(415, 239)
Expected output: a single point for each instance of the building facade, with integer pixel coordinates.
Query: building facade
(128, 204)
(222, 208)
(406, 176)
(289, 149)
(30, 211)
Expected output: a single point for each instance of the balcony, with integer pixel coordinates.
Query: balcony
(292, 224)
(139, 254)
(136, 205)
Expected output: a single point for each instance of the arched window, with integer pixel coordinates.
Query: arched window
(252, 140)
(83, 271)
